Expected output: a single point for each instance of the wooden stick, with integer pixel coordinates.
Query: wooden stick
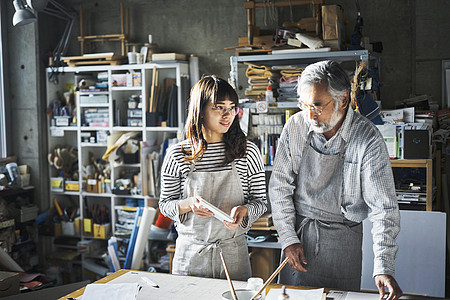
(233, 292)
(270, 278)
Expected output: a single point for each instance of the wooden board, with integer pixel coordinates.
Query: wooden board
(93, 60)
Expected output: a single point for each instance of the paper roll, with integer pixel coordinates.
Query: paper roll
(144, 227)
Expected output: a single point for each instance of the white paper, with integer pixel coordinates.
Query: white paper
(315, 294)
(141, 240)
(175, 287)
(389, 133)
(339, 295)
(117, 291)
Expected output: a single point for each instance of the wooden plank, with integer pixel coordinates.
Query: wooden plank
(252, 4)
(93, 62)
(93, 57)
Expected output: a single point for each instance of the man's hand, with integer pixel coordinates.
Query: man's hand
(296, 257)
(382, 281)
(237, 213)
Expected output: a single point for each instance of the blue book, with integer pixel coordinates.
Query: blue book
(133, 236)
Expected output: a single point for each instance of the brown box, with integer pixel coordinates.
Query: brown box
(91, 186)
(331, 18)
(257, 40)
(9, 284)
(57, 229)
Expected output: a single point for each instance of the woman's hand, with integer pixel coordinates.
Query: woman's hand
(192, 204)
(237, 213)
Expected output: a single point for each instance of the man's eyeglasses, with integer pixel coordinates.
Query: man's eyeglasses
(315, 109)
(222, 110)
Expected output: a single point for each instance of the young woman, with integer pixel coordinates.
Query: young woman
(218, 164)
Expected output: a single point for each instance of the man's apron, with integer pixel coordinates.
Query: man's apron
(200, 240)
(331, 243)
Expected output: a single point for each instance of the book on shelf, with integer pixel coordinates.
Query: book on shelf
(172, 114)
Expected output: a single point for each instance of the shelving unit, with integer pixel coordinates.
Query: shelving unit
(419, 163)
(114, 112)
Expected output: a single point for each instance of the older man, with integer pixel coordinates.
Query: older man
(331, 171)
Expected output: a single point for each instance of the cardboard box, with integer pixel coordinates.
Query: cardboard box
(257, 40)
(331, 18)
(137, 79)
(168, 56)
(91, 186)
(102, 231)
(9, 284)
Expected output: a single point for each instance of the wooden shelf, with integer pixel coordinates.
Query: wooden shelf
(419, 163)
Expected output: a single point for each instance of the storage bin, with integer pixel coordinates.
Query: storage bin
(71, 185)
(93, 99)
(68, 228)
(57, 184)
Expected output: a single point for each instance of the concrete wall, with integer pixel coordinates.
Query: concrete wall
(413, 34)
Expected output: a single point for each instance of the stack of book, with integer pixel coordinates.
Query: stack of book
(264, 221)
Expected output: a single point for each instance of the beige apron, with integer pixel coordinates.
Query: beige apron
(200, 240)
(331, 243)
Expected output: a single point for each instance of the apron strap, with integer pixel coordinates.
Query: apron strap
(317, 222)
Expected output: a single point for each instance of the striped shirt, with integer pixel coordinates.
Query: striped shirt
(368, 189)
(250, 170)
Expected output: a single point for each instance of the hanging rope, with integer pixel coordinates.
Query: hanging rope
(359, 78)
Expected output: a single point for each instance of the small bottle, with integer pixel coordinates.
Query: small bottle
(269, 94)
(283, 295)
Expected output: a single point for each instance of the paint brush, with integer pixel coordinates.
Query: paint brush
(233, 292)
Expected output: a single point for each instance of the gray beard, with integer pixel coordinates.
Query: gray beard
(324, 127)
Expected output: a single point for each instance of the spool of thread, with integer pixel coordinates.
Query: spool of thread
(163, 222)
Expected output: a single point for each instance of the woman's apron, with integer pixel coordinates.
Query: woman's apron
(331, 243)
(200, 240)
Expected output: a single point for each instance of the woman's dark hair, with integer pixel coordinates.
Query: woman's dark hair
(211, 89)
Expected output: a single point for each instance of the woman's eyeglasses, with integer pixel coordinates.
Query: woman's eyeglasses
(222, 110)
(315, 109)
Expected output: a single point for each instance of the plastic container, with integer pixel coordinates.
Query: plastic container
(269, 94)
